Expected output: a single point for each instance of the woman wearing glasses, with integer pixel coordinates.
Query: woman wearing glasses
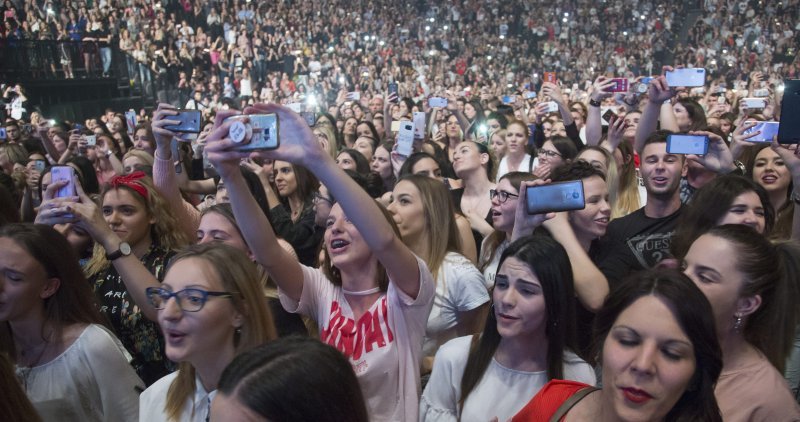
(209, 310)
(554, 154)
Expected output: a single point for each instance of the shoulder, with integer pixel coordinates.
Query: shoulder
(577, 369)
(764, 390)
(157, 393)
(455, 350)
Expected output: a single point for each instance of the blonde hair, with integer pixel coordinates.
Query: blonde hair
(142, 155)
(240, 277)
(330, 133)
(164, 232)
(612, 180)
(628, 185)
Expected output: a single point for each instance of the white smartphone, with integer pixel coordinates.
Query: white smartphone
(405, 138)
(552, 107)
(687, 77)
(59, 173)
(754, 103)
(419, 124)
(687, 144)
(437, 102)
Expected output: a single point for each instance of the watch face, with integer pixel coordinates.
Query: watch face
(125, 248)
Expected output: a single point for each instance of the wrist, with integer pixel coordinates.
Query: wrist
(594, 102)
(163, 153)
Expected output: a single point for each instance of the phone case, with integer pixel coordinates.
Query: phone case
(789, 131)
(405, 138)
(190, 121)
(261, 132)
(59, 173)
(555, 197)
(768, 131)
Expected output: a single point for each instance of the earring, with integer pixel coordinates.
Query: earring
(737, 325)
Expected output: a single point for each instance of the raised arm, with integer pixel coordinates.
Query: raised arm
(594, 124)
(792, 160)
(658, 93)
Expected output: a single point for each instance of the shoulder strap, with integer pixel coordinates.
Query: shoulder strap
(570, 402)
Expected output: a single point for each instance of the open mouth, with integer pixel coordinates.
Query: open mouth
(338, 244)
(174, 336)
(769, 179)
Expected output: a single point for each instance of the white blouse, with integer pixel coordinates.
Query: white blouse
(153, 401)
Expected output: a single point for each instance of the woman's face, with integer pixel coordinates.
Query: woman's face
(592, 221)
(204, 337)
(515, 140)
(469, 111)
(364, 146)
(132, 164)
(216, 228)
(350, 127)
(344, 243)
(78, 238)
(648, 361)
(711, 263)
(682, 117)
(452, 128)
(285, 178)
(407, 211)
(548, 154)
(498, 145)
(116, 124)
(770, 171)
(631, 123)
(59, 140)
(346, 162)
(503, 212)
(322, 205)
(143, 142)
(519, 304)
(746, 209)
(427, 167)
(596, 158)
(126, 214)
(725, 126)
(382, 163)
(466, 157)
(403, 108)
(24, 284)
(363, 130)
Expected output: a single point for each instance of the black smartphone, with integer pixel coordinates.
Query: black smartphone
(789, 131)
(190, 121)
(393, 90)
(555, 197)
(608, 115)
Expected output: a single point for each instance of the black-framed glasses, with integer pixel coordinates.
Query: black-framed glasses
(189, 300)
(318, 197)
(501, 195)
(548, 153)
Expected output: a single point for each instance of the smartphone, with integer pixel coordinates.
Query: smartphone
(721, 99)
(763, 92)
(688, 77)
(39, 165)
(130, 120)
(768, 131)
(3, 134)
(78, 127)
(353, 96)
(254, 132)
(509, 99)
(789, 131)
(59, 173)
(620, 85)
(687, 144)
(419, 124)
(190, 121)
(395, 126)
(310, 117)
(27, 128)
(393, 90)
(608, 115)
(530, 95)
(437, 102)
(91, 140)
(555, 197)
(754, 103)
(405, 138)
(550, 77)
(642, 85)
(552, 107)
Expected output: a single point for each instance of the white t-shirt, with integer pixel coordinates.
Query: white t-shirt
(502, 168)
(384, 345)
(459, 288)
(91, 381)
(500, 393)
(491, 269)
(153, 401)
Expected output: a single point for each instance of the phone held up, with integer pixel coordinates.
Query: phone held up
(555, 197)
(687, 144)
(64, 173)
(190, 121)
(254, 132)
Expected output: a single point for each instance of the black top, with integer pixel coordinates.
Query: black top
(302, 235)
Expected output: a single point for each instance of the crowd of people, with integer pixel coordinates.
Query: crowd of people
(148, 273)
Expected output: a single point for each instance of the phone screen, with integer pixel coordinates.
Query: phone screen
(554, 197)
(768, 131)
(689, 77)
(687, 144)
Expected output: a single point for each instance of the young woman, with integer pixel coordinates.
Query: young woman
(327, 138)
(367, 299)
(424, 213)
(497, 144)
(604, 161)
(69, 364)
(382, 165)
(751, 285)
(143, 138)
(516, 158)
(553, 154)
(474, 165)
(660, 358)
(293, 218)
(350, 159)
(770, 171)
(289, 379)
(728, 199)
(209, 310)
(525, 342)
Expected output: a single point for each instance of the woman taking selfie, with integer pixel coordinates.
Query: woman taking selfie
(367, 299)
(423, 211)
(209, 310)
(660, 359)
(525, 343)
(69, 364)
(751, 285)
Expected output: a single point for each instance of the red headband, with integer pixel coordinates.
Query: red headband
(130, 181)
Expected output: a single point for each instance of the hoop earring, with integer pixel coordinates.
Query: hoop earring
(737, 324)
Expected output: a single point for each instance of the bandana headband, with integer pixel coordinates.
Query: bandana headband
(130, 181)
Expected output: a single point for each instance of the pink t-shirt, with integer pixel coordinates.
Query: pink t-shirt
(384, 345)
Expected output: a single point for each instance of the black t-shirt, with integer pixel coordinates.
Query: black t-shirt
(633, 243)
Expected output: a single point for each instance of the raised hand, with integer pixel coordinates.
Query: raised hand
(718, 158)
(524, 223)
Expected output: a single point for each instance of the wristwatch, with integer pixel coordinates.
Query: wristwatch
(740, 169)
(124, 250)
(594, 103)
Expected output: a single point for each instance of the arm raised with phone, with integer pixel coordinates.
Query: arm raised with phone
(300, 147)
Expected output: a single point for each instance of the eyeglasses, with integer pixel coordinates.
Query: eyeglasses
(189, 300)
(501, 195)
(318, 197)
(548, 153)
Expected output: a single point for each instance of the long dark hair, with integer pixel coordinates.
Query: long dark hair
(549, 261)
(712, 202)
(295, 379)
(693, 313)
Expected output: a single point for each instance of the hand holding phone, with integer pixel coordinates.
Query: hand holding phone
(64, 173)
(555, 197)
(620, 85)
(440, 102)
(254, 132)
(190, 121)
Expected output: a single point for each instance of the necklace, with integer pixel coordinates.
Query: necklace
(362, 292)
(24, 372)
